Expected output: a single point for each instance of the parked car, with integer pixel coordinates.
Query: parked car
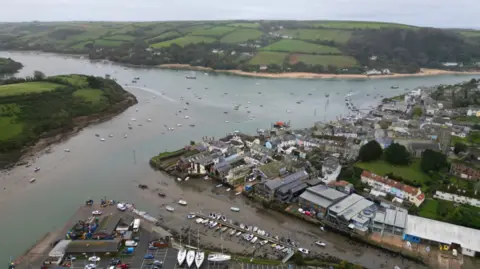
(124, 266)
(158, 263)
(136, 238)
(70, 258)
(90, 266)
(115, 261)
(131, 243)
(148, 256)
(94, 259)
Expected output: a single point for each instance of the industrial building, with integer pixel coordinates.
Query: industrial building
(354, 211)
(93, 246)
(319, 198)
(447, 236)
(390, 221)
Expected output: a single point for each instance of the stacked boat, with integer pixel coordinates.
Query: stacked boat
(190, 257)
(182, 254)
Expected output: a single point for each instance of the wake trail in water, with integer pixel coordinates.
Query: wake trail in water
(154, 92)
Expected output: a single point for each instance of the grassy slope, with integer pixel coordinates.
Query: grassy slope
(411, 172)
(27, 87)
(115, 34)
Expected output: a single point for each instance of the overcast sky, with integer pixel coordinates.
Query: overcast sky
(438, 13)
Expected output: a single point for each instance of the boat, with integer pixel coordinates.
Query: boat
(179, 125)
(36, 169)
(224, 218)
(97, 135)
(238, 234)
(219, 257)
(182, 254)
(394, 87)
(255, 229)
(121, 207)
(102, 139)
(169, 208)
(191, 76)
(228, 189)
(235, 209)
(110, 135)
(191, 216)
(179, 179)
(187, 178)
(200, 255)
(149, 120)
(187, 117)
(232, 232)
(66, 150)
(224, 229)
(254, 240)
(219, 185)
(199, 220)
(190, 257)
(242, 226)
(238, 193)
(32, 180)
(182, 202)
(321, 244)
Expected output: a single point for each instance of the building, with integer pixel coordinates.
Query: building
(395, 188)
(287, 187)
(457, 198)
(319, 199)
(106, 227)
(465, 170)
(390, 221)
(342, 185)
(354, 211)
(447, 236)
(417, 148)
(93, 246)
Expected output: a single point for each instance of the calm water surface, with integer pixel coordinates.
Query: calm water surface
(96, 169)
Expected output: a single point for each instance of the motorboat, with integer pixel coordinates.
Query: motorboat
(133, 119)
(179, 179)
(242, 226)
(238, 193)
(238, 234)
(179, 125)
(228, 189)
(219, 185)
(191, 216)
(254, 240)
(255, 229)
(232, 232)
(121, 207)
(169, 208)
(97, 135)
(36, 169)
(110, 135)
(32, 180)
(213, 225)
(224, 229)
(199, 258)
(208, 223)
(190, 257)
(279, 247)
(235, 209)
(149, 120)
(97, 213)
(303, 250)
(66, 150)
(263, 242)
(199, 220)
(182, 254)
(219, 257)
(187, 178)
(125, 136)
(182, 202)
(320, 243)
(102, 139)
(187, 117)
(224, 218)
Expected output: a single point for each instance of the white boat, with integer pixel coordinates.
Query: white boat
(36, 169)
(224, 229)
(182, 254)
(125, 136)
(110, 135)
(238, 193)
(242, 226)
(224, 218)
(121, 207)
(179, 179)
(199, 220)
(255, 229)
(232, 232)
(133, 119)
(187, 117)
(238, 234)
(226, 121)
(219, 257)
(149, 120)
(32, 180)
(254, 240)
(169, 208)
(228, 189)
(102, 139)
(321, 244)
(199, 258)
(66, 150)
(179, 125)
(235, 209)
(182, 202)
(219, 185)
(190, 257)
(187, 178)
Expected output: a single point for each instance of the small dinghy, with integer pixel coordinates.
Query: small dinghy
(235, 209)
(36, 169)
(169, 208)
(182, 202)
(32, 180)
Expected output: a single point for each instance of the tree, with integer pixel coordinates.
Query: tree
(433, 161)
(397, 154)
(298, 258)
(417, 112)
(459, 147)
(370, 152)
(38, 75)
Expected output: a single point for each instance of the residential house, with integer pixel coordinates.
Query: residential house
(330, 169)
(465, 170)
(237, 175)
(288, 187)
(199, 164)
(261, 150)
(395, 188)
(319, 198)
(218, 145)
(272, 170)
(342, 185)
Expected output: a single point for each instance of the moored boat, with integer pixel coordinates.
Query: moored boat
(169, 208)
(182, 202)
(199, 258)
(182, 254)
(235, 209)
(219, 257)
(190, 257)
(32, 180)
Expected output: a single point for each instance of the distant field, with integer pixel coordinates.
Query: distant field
(215, 31)
(170, 34)
(182, 41)
(91, 95)
(245, 24)
(470, 33)
(241, 35)
(358, 25)
(120, 37)
(108, 43)
(267, 57)
(339, 36)
(291, 45)
(325, 60)
(194, 28)
(27, 87)
(76, 80)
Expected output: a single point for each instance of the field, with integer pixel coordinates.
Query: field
(75, 80)
(357, 25)
(429, 209)
(92, 95)
(412, 172)
(10, 128)
(241, 35)
(194, 28)
(318, 34)
(121, 37)
(182, 41)
(108, 43)
(166, 35)
(215, 31)
(290, 45)
(336, 60)
(471, 33)
(245, 24)
(27, 87)
(267, 57)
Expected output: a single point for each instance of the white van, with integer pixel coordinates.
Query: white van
(136, 225)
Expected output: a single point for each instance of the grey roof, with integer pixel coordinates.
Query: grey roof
(292, 187)
(424, 146)
(108, 224)
(379, 217)
(90, 246)
(346, 203)
(222, 167)
(326, 192)
(390, 216)
(314, 182)
(356, 208)
(401, 219)
(59, 249)
(317, 200)
(277, 183)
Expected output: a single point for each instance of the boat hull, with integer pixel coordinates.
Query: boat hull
(182, 253)
(199, 258)
(190, 257)
(219, 257)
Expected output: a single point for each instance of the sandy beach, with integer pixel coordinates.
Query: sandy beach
(303, 75)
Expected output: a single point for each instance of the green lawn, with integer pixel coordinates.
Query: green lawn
(75, 80)
(92, 95)
(9, 128)
(194, 28)
(182, 41)
(325, 60)
(241, 35)
(429, 209)
(120, 37)
(245, 24)
(169, 34)
(215, 31)
(108, 43)
(291, 45)
(268, 57)
(27, 87)
(412, 172)
(358, 25)
(339, 36)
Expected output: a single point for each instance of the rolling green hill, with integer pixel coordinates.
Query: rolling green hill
(282, 46)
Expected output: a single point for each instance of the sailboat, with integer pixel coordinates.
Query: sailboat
(219, 257)
(200, 256)
(190, 254)
(182, 254)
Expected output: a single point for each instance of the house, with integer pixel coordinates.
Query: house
(457, 198)
(354, 212)
(261, 150)
(237, 175)
(395, 188)
(199, 164)
(218, 145)
(319, 198)
(465, 170)
(330, 169)
(220, 170)
(417, 148)
(272, 170)
(288, 187)
(78, 247)
(342, 185)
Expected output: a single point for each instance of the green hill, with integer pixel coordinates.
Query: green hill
(9, 66)
(306, 46)
(43, 106)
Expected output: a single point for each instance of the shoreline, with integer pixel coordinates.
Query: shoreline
(424, 72)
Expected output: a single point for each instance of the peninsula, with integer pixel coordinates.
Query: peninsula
(41, 110)
(299, 49)
(9, 66)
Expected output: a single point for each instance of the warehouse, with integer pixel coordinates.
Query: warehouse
(353, 211)
(447, 236)
(319, 198)
(93, 246)
(391, 221)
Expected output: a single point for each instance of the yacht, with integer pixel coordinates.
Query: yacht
(182, 254)
(190, 257)
(200, 256)
(219, 257)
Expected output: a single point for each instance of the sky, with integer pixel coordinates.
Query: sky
(435, 13)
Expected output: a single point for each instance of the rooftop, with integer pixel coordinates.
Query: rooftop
(322, 196)
(271, 170)
(443, 232)
(109, 223)
(90, 246)
(277, 183)
(59, 249)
